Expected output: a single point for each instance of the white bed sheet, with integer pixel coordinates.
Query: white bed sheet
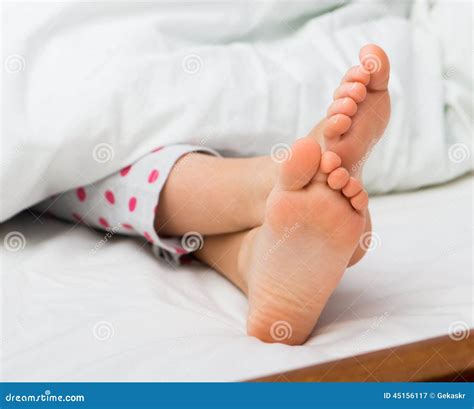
(121, 315)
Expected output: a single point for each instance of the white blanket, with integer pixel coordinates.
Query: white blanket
(90, 87)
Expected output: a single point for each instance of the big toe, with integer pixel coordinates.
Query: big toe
(375, 62)
(300, 165)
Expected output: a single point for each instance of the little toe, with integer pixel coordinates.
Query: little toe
(352, 188)
(356, 74)
(355, 90)
(336, 125)
(360, 201)
(346, 106)
(338, 178)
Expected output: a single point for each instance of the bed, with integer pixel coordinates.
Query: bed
(75, 311)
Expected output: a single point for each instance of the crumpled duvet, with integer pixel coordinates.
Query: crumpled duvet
(90, 87)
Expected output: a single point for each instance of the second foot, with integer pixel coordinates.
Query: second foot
(360, 112)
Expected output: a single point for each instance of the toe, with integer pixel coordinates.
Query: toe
(360, 201)
(375, 62)
(357, 74)
(354, 90)
(329, 162)
(338, 178)
(336, 125)
(302, 164)
(352, 188)
(346, 106)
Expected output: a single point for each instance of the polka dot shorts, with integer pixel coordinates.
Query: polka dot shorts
(126, 201)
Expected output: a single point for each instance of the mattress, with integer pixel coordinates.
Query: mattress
(78, 309)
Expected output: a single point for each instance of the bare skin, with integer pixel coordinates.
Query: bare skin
(284, 234)
(212, 195)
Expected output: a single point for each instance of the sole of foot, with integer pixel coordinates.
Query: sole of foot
(314, 218)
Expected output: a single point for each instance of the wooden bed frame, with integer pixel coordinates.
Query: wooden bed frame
(439, 359)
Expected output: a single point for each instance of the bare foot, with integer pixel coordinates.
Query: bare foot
(314, 217)
(360, 112)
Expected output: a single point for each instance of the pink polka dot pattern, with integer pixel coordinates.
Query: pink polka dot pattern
(153, 176)
(124, 201)
(125, 170)
(110, 196)
(81, 194)
(103, 222)
(132, 204)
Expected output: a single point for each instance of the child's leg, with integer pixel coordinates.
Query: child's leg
(212, 195)
(223, 252)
